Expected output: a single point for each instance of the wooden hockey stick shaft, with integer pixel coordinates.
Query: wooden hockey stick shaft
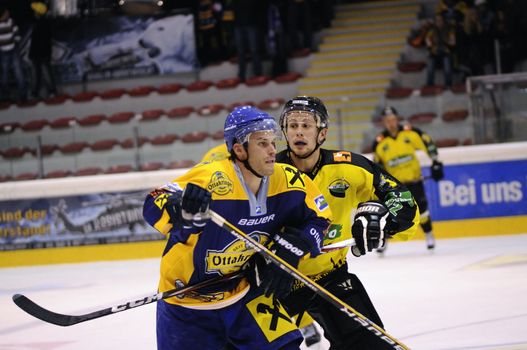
(319, 290)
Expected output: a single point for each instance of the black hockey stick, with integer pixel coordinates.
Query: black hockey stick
(46, 315)
(322, 292)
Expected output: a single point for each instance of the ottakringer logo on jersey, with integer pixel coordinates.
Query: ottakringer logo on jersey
(338, 188)
(220, 183)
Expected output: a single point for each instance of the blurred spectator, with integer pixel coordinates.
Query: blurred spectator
(10, 59)
(247, 31)
(299, 23)
(227, 29)
(503, 34)
(471, 57)
(440, 41)
(208, 41)
(40, 50)
(276, 38)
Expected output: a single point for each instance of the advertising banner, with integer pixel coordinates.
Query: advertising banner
(123, 47)
(74, 220)
(479, 190)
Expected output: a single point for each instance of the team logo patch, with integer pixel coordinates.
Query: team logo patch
(338, 188)
(220, 183)
(160, 200)
(334, 231)
(294, 177)
(321, 203)
(271, 317)
(342, 156)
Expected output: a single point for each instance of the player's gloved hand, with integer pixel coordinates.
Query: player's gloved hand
(290, 246)
(195, 205)
(437, 170)
(173, 208)
(369, 226)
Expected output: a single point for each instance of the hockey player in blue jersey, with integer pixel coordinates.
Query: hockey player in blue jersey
(264, 199)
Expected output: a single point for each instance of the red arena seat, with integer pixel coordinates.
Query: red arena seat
(48, 149)
(57, 174)
(129, 142)
(229, 83)
(399, 92)
(103, 145)
(151, 114)
(117, 169)
(56, 100)
(217, 135)
(34, 125)
(121, 117)
(459, 89)
(467, 142)
(169, 89)
(15, 152)
(271, 103)
(152, 166)
(180, 112)
(447, 142)
(88, 171)
(90, 120)
(167, 139)
(432, 90)
(409, 67)
(7, 128)
(27, 104)
(180, 164)
(5, 178)
(210, 109)
(62, 122)
(257, 80)
(112, 94)
(455, 115)
(73, 147)
(199, 85)
(194, 136)
(288, 77)
(303, 52)
(5, 104)
(141, 91)
(26, 176)
(422, 118)
(84, 96)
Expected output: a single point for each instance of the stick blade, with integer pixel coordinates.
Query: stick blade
(39, 312)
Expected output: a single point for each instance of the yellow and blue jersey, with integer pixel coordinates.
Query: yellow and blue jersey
(193, 254)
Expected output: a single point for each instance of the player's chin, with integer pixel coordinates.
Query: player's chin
(268, 168)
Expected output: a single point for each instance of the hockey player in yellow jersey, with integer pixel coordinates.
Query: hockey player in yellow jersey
(395, 150)
(219, 152)
(268, 201)
(351, 184)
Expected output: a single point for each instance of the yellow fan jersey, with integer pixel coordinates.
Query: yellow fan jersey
(347, 179)
(193, 254)
(397, 154)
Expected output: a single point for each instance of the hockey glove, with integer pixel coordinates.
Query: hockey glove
(195, 205)
(437, 170)
(368, 228)
(291, 247)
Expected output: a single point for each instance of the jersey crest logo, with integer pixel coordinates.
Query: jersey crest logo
(342, 156)
(294, 177)
(338, 188)
(334, 231)
(220, 183)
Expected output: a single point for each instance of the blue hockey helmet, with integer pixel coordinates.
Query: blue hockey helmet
(245, 120)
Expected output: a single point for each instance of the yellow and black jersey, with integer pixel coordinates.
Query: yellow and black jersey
(192, 254)
(397, 154)
(219, 152)
(347, 179)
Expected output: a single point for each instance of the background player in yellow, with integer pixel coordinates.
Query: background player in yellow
(219, 152)
(354, 187)
(395, 150)
(268, 201)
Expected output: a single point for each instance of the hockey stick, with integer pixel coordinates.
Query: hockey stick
(322, 292)
(46, 315)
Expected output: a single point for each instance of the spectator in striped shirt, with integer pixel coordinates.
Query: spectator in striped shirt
(10, 59)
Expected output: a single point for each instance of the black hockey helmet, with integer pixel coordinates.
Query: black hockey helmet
(306, 104)
(389, 110)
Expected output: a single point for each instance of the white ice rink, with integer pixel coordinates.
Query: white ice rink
(469, 294)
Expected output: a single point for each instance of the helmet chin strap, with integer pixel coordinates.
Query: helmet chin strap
(246, 162)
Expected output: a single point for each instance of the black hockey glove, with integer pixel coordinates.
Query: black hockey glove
(437, 170)
(368, 228)
(195, 205)
(290, 246)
